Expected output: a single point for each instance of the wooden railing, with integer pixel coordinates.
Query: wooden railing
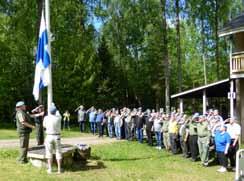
(237, 63)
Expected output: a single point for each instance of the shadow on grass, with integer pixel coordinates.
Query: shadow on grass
(127, 159)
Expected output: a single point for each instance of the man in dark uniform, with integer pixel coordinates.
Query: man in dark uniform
(24, 129)
(139, 125)
(193, 137)
(149, 124)
(39, 124)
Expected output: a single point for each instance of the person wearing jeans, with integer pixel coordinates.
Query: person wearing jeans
(157, 126)
(110, 124)
(117, 125)
(92, 120)
(99, 122)
(139, 126)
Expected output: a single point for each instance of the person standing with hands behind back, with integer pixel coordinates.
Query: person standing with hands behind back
(24, 128)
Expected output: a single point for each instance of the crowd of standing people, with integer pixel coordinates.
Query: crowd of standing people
(195, 136)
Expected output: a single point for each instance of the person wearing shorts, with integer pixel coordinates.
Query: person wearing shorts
(52, 123)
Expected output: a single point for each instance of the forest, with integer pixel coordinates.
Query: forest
(114, 53)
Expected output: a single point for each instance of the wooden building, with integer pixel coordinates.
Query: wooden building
(233, 86)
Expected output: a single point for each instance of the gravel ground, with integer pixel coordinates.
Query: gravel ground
(90, 140)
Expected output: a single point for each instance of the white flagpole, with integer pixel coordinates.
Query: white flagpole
(50, 87)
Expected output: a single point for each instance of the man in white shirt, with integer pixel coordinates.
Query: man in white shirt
(52, 123)
(234, 131)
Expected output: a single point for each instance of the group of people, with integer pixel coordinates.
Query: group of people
(195, 136)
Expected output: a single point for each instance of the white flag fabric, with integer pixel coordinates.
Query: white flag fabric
(43, 61)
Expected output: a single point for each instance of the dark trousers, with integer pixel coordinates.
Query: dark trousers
(222, 158)
(93, 127)
(82, 126)
(193, 146)
(173, 142)
(232, 153)
(140, 135)
(24, 144)
(39, 134)
(100, 128)
(149, 137)
(66, 124)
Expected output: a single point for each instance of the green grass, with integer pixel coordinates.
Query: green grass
(118, 161)
(11, 133)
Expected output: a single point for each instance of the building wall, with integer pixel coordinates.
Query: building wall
(238, 42)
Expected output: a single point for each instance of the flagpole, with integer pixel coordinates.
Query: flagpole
(49, 88)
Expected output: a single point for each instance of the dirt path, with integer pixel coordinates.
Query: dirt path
(90, 140)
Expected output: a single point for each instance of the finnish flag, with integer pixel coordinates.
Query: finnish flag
(43, 61)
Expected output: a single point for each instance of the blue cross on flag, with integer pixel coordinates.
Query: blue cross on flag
(43, 61)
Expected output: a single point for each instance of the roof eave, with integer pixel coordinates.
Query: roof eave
(184, 93)
(231, 32)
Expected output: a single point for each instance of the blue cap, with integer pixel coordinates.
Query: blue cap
(20, 103)
(53, 109)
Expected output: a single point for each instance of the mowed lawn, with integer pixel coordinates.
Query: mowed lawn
(118, 161)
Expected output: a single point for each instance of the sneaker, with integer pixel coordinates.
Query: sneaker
(205, 164)
(49, 171)
(222, 170)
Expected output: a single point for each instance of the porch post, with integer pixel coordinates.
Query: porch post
(231, 98)
(204, 102)
(181, 106)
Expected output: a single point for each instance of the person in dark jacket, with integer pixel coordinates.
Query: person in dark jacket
(139, 125)
(149, 124)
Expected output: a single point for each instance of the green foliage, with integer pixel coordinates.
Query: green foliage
(121, 62)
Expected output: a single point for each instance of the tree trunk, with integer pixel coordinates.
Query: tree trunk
(39, 14)
(165, 56)
(216, 38)
(203, 50)
(178, 45)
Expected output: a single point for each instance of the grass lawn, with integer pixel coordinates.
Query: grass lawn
(118, 161)
(7, 132)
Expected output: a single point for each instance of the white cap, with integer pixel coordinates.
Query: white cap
(20, 103)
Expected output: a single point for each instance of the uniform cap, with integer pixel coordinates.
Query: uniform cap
(20, 103)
